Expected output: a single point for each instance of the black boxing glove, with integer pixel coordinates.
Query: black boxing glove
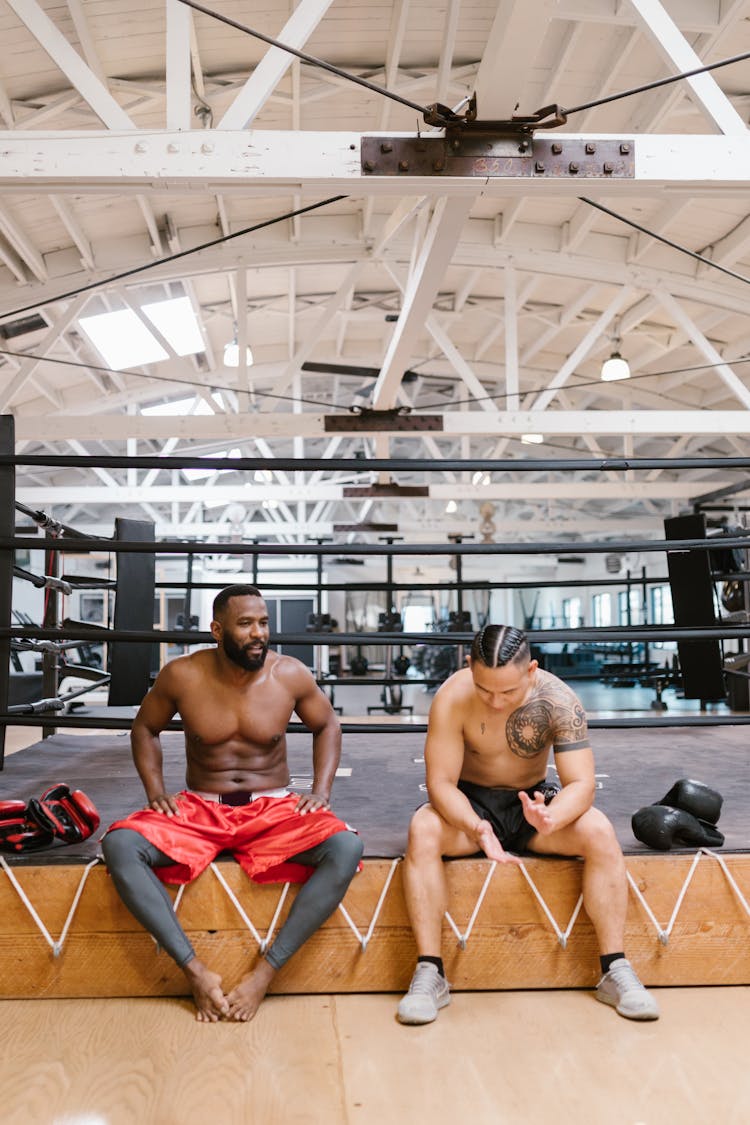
(694, 797)
(661, 827)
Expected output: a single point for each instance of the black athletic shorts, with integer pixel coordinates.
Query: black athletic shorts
(503, 809)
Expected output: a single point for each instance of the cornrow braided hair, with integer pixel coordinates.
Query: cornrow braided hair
(498, 645)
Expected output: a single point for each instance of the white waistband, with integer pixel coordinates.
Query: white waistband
(284, 792)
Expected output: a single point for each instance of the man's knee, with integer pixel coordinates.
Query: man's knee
(426, 832)
(344, 852)
(120, 847)
(598, 837)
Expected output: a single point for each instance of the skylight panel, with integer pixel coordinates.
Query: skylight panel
(177, 323)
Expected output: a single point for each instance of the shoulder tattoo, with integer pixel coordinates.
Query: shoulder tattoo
(553, 714)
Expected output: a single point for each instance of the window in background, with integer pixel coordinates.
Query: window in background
(633, 597)
(602, 609)
(571, 610)
(661, 605)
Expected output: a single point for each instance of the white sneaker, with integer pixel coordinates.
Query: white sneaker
(428, 992)
(621, 988)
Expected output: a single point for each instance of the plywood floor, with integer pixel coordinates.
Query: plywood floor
(491, 1058)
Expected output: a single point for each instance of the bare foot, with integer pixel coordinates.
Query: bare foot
(245, 999)
(207, 992)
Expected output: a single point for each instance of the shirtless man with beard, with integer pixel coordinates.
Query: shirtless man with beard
(235, 701)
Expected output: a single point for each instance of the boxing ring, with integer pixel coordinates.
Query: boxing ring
(64, 932)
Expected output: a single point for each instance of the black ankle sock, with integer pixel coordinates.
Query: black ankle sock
(437, 961)
(607, 960)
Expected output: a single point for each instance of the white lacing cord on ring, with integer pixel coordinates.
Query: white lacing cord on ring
(661, 933)
(730, 878)
(262, 942)
(364, 940)
(664, 934)
(463, 938)
(562, 935)
(55, 946)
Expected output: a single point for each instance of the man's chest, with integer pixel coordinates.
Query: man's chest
(221, 715)
(524, 732)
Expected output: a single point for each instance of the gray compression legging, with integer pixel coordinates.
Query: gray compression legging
(130, 859)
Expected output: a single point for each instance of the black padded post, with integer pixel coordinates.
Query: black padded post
(8, 528)
(130, 662)
(693, 603)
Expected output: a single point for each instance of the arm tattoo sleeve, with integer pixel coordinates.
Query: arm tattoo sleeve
(554, 715)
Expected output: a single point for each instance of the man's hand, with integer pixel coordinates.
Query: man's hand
(311, 802)
(166, 803)
(537, 813)
(491, 846)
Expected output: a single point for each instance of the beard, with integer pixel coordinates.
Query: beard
(250, 662)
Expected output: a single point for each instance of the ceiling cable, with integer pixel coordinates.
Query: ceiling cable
(667, 241)
(591, 383)
(442, 115)
(201, 383)
(656, 84)
(430, 113)
(165, 378)
(172, 257)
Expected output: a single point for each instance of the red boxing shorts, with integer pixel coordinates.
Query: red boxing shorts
(261, 835)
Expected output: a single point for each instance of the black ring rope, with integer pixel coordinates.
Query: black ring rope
(374, 465)
(580, 634)
(609, 723)
(172, 547)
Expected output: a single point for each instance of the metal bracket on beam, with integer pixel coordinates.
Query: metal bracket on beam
(370, 421)
(481, 150)
(380, 490)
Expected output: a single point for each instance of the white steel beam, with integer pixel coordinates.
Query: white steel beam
(234, 427)
(86, 39)
(45, 496)
(329, 162)
(581, 351)
(421, 289)
(21, 242)
(178, 66)
(81, 76)
(458, 363)
(723, 370)
(28, 367)
(75, 230)
(510, 53)
(274, 64)
(673, 46)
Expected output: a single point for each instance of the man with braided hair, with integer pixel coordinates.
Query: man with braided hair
(491, 727)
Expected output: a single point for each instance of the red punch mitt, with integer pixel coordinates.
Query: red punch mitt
(17, 833)
(68, 814)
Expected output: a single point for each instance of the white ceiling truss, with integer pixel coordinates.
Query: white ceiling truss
(155, 150)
